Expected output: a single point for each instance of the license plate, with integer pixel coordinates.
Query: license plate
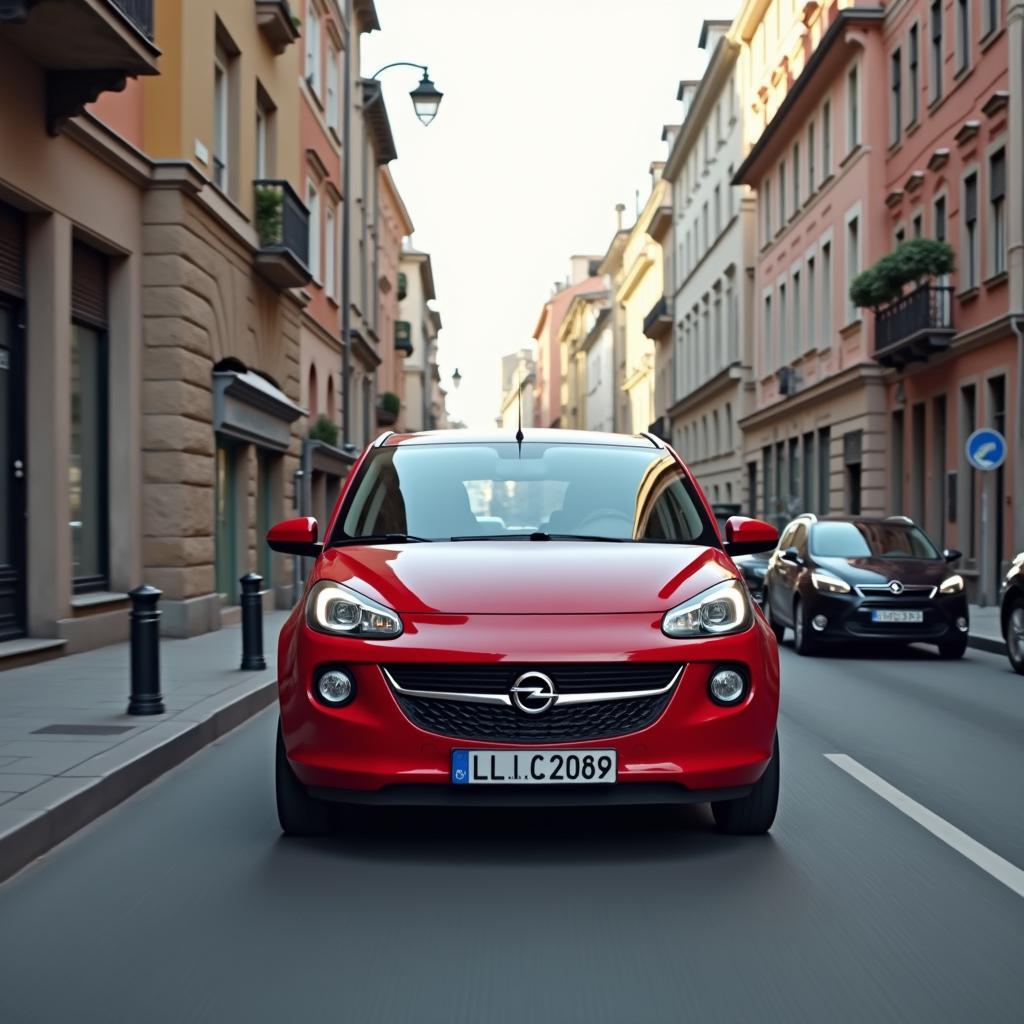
(533, 767)
(896, 615)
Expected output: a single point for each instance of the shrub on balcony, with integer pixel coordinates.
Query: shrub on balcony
(390, 402)
(269, 214)
(324, 430)
(911, 262)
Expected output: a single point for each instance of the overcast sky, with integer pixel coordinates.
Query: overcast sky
(552, 114)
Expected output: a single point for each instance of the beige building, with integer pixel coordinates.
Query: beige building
(576, 334)
(72, 191)
(518, 376)
(415, 336)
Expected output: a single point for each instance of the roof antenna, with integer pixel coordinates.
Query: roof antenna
(519, 403)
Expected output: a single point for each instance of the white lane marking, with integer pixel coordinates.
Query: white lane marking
(1002, 870)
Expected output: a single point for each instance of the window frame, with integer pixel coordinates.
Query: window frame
(997, 254)
(970, 232)
(312, 70)
(315, 234)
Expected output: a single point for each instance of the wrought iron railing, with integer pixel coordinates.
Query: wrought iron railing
(403, 336)
(281, 218)
(927, 308)
(140, 11)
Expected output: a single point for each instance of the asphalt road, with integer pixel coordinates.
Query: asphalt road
(185, 904)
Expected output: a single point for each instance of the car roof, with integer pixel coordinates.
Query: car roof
(535, 435)
(868, 520)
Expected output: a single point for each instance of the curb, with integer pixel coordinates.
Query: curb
(41, 833)
(985, 643)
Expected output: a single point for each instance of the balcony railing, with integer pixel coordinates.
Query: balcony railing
(403, 285)
(140, 11)
(658, 322)
(282, 224)
(403, 337)
(915, 325)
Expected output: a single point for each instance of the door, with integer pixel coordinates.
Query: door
(788, 575)
(226, 514)
(12, 473)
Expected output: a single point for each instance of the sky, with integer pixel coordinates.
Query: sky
(552, 114)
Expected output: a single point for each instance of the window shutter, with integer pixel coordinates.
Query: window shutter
(997, 175)
(12, 251)
(88, 285)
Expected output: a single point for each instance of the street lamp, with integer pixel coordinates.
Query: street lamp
(456, 378)
(426, 97)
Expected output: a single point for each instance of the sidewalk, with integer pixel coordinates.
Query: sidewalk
(986, 634)
(69, 751)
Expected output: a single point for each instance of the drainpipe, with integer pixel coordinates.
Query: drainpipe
(346, 228)
(1017, 470)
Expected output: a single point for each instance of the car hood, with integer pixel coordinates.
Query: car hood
(526, 577)
(914, 571)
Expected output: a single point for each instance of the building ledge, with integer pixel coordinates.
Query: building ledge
(16, 653)
(97, 599)
(274, 19)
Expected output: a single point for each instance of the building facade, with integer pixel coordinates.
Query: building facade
(416, 332)
(578, 332)
(711, 273)
(518, 376)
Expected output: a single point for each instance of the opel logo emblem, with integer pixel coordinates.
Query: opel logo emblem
(534, 693)
(896, 587)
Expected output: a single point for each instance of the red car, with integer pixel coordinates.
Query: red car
(547, 621)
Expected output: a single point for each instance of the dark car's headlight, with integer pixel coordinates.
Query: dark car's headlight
(952, 584)
(829, 584)
(332, 608)
(723, 608)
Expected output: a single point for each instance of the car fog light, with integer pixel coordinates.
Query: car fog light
(335, 688)
(819, 622)
(961, 624)
(727, 686)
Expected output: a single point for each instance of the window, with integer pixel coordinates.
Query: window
(913, 78)
(812, 285)
(797, 312)
(261, 143)
(313, 203)
(997, 211)
(782, 194)
(766, 205)
(989, 17)
(935, 60)
(264, 135)
(312, 401)
(718, 210)
(917, 225)
(330, 245)
(824, 470)
(783, 326)
(895, 97)
(970, 255)
(852, 109)
(313, 47)
(939, 217)
(220, 123)
(812, 180)
(729, 195)
(333, 78)
(852, 263)
(826, 139)
(767, 329)
(899, 236)
(796, 177)
(963, 35)
(826, 293)
(704, 225)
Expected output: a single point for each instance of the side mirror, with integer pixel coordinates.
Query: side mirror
(951, 554)
(792, 555)
(296, 537)
(745, 536)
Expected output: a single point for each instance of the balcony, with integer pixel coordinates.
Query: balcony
(403, 285)
(282, 225)
(275, 20)
(403, 337)
(658, 322)
(87, 47)
(914, 326)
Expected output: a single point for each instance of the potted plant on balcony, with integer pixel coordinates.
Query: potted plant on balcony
(269, 214)
(388, 407)
(324, 430)
(914, 261)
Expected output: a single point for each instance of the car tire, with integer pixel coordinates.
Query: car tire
(1015, 635)
(803, 641)
(753, 814)
(951, 650)
(778, 629)
(298, 812)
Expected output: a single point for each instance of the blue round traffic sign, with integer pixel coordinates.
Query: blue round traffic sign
(986, 449)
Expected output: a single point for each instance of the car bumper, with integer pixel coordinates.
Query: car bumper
(370, 751)
(849, 618)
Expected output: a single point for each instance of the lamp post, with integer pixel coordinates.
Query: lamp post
(426, 98)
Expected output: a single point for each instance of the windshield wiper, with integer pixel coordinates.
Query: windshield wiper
(537, 535)
(380, 538)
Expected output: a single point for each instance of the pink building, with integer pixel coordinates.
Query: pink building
(950, 350)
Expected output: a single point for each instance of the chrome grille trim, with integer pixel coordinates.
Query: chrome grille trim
(909, 589)
(504, 699)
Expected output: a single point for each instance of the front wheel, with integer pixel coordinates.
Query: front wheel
(951, 650)
(1015, 635)
(803, 641)
(753, 814)
(298, 812)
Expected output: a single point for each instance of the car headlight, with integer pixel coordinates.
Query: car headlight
(953, 585)
(332, 608)
(829, 584)
(723, 608)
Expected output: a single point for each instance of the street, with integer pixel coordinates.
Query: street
(185, 904)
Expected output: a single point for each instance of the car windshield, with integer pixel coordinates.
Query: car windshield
(509, 491)
(867, 540)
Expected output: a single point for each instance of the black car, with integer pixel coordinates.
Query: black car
(845, 578)
(1012, 613)
(754, 569)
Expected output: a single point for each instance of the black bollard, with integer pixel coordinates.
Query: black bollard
(145, 621)
(252, 621)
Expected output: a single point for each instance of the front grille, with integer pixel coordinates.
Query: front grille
(911, 592)
(504, 723)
